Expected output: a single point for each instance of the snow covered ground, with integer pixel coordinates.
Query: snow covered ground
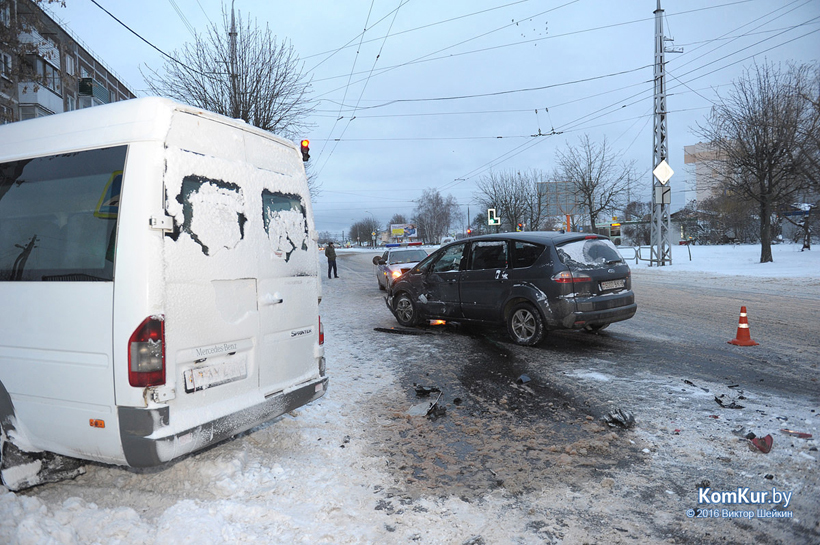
(310, 477)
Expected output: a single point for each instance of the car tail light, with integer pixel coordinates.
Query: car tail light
(146, 353)
(566, 277)
(321, 332)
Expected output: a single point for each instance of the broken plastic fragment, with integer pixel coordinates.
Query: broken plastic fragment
(799, 434)
(763, 444)
(523, 379)
(424, 391)
(731, 405)
(620, 417)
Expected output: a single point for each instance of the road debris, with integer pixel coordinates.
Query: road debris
(424, 391)
(401, 331)
(523, 379)
(620, 418)
(722, 403)
(763, 444)
(423, 409)
(799, 434)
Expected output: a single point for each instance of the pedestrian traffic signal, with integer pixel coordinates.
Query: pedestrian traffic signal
(520, 227)
(305, 150)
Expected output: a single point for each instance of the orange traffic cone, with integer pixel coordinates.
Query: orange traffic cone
(743, 338)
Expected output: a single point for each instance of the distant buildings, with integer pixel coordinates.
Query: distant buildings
(707, 166)
(45, 70)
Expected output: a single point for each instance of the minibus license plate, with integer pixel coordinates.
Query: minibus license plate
(206, 376)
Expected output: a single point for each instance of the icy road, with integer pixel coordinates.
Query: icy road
(507, 459)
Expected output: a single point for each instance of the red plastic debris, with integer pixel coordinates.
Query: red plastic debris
(763, 444)
(799, 434)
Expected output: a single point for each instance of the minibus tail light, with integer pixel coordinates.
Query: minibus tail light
(321, 332)
(146, 353)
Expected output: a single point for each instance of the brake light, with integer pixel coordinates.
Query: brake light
(146, 353)
(321, 332)
(566, 277)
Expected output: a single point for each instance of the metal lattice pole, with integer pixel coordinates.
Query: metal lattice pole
(661, 253)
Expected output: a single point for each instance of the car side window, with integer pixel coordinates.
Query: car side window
(450, 259)
(488, 254)
(526, 254)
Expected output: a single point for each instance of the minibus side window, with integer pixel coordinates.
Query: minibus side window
(58, 216)
(285, 222)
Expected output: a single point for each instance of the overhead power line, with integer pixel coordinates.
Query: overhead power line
(163, 53)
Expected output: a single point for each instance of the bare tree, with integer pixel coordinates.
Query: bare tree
(397, 219)
(362, 230)
(810, 132)
(434, 215)
(270, 90)
(637, 233)
(756, 132)
(516, 197)
(600, 180)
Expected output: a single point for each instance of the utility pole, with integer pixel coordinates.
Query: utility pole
(234, 75)
(661, 253)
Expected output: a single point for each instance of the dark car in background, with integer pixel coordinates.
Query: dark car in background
(394, 263)
(531, 281)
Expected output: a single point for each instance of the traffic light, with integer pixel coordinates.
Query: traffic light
(305, 150)
(469, 231)
(520, 227)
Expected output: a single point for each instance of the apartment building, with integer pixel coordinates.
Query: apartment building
(707, 165)
(45, 69)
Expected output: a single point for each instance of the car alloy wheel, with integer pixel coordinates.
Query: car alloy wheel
(406, 310)
(525, 325)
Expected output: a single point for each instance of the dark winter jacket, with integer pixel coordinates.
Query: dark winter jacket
(330, 253)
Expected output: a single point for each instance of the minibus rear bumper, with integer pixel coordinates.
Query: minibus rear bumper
(144, 445)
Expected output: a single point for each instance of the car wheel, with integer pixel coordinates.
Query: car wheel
(405, 310)
(524, 325)
(595, 328)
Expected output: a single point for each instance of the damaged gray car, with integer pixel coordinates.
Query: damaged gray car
(531, 281)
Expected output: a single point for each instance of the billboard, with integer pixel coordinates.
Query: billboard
(403, 230)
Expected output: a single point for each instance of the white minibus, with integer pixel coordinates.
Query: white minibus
(159, 286)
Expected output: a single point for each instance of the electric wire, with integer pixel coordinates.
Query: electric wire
(183, 18)
(348, 83)
(364, 87)
(161, 52)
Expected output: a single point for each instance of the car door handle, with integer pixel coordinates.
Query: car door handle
(271, 299)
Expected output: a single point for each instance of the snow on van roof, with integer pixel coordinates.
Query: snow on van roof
(136, 120)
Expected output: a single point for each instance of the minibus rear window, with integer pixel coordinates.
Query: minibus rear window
(58, 216)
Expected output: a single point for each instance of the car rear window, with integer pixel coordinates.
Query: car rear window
(526, 254)
(593, 253)
(489, 254)
(58, 216)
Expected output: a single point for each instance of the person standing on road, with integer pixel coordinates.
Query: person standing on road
(330, 254)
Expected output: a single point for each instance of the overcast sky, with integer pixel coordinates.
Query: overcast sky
(438, 94)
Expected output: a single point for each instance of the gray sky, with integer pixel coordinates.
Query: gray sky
(437, 94)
